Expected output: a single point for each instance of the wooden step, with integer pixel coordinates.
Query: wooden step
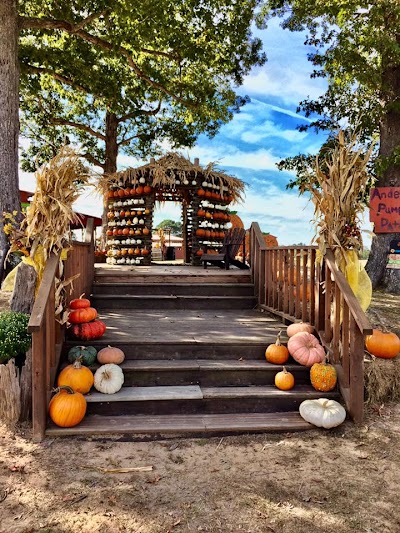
(206, 372)
(166, 302)
(206, 425)
(199, 400)
(173, 289)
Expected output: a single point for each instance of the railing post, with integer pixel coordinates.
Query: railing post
(261, 279)
(356, 408)
(39, 393)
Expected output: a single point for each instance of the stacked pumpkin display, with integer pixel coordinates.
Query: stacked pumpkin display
(83, 320)
(68, 407)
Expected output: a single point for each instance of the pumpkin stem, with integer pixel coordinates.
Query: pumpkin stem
(81, 296)
(78, 362)
(284, 370)
(325, 402)
(278, 339)
(68, 389)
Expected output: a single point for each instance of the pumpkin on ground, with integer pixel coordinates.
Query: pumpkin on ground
(79, 303)
(306, 349)
(88, 354)
(383, 345)
(67, 408)
(110, 354)
(108, 379)
(322, 413)
(89, 330)
(80, 316)
(299, 327)
(76, 376)
(277, 353)
(284, 380)
(323, 377)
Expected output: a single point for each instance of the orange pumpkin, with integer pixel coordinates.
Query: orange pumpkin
(235, 220)
(383, 345)
(76, 376)
(67, 408)
(277, 353)
(80, 316)
(323, 377)
(110, 354)
(284, 380)
(79, 303)
(89, 330)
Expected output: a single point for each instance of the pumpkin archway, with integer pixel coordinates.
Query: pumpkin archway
(204, 192)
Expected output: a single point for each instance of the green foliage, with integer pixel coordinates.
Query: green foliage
(14, 336)
(175, 227)
(162, 70)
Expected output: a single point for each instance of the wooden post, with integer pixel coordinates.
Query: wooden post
(356, 407)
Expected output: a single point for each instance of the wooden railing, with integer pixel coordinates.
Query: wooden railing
(290, 283)
(47, 334)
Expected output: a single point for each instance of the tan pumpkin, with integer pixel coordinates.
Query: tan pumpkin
(284, 380)
(383, 345)
(76, 376)
(110, 354)
(306, 349)
(323, 377)
(299, 327)
(277, 353)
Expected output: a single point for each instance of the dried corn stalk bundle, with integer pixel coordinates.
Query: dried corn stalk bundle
(337, 197)
(58, 185)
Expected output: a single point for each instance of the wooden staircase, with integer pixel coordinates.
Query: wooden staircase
(195, 364)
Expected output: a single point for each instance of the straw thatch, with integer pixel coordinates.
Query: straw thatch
(165, 171)
(337, 196)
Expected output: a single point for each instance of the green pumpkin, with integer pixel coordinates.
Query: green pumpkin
(88, 354)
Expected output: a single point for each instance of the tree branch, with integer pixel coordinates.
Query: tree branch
(93, 160)
(150, 112)
(58, 77)
(50, 24)
(127, 141)
(79, 126)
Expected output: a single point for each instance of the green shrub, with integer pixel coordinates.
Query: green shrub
(14, 336)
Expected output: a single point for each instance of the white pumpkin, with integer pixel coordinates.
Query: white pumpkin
(323, 413)
(108, 379)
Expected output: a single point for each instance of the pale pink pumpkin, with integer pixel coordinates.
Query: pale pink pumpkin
(298, 327)
(306, 349)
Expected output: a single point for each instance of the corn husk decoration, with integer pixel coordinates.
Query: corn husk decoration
(337, 197)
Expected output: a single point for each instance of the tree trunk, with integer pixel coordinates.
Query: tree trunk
(9, 123)
(387, 279)
(110, 164)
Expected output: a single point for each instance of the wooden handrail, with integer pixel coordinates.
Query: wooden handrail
(289, 283)
(39, 307)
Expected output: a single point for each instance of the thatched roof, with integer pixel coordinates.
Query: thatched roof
(165, 171)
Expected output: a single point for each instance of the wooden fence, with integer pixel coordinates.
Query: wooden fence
(47, 334)
(290, 283)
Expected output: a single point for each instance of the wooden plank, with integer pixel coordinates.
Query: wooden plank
(269, 391)
(345, 345)
(102, 425)
(304, 302)
(143, 394)
(356, 407)
(39, 398)
(39, 307)
(313, 280)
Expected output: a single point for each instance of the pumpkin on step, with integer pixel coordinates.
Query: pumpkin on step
(110, 355)
(67, 408)
(108, 379)
(76, 376)
(323, 377)
(383, 345)
(306, 349)
(89, 330)
(87, 353)
(299, 327)
(322, 413)
(277, 353)
(79, 303)
(284, 380)
(80, 316)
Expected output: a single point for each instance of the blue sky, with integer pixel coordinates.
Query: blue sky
(263, 133)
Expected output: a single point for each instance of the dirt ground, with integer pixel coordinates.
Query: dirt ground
(341, 480)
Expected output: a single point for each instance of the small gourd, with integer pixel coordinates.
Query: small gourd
(284, 380)
(322, 413)
(323, 376)
(79, 303)
(277, 353)
(81, 316)
(108, 379)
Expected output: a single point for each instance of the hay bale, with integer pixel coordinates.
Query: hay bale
(381, 380)
(10, 393)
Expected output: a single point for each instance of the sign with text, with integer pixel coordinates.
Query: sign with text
(385, 209)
